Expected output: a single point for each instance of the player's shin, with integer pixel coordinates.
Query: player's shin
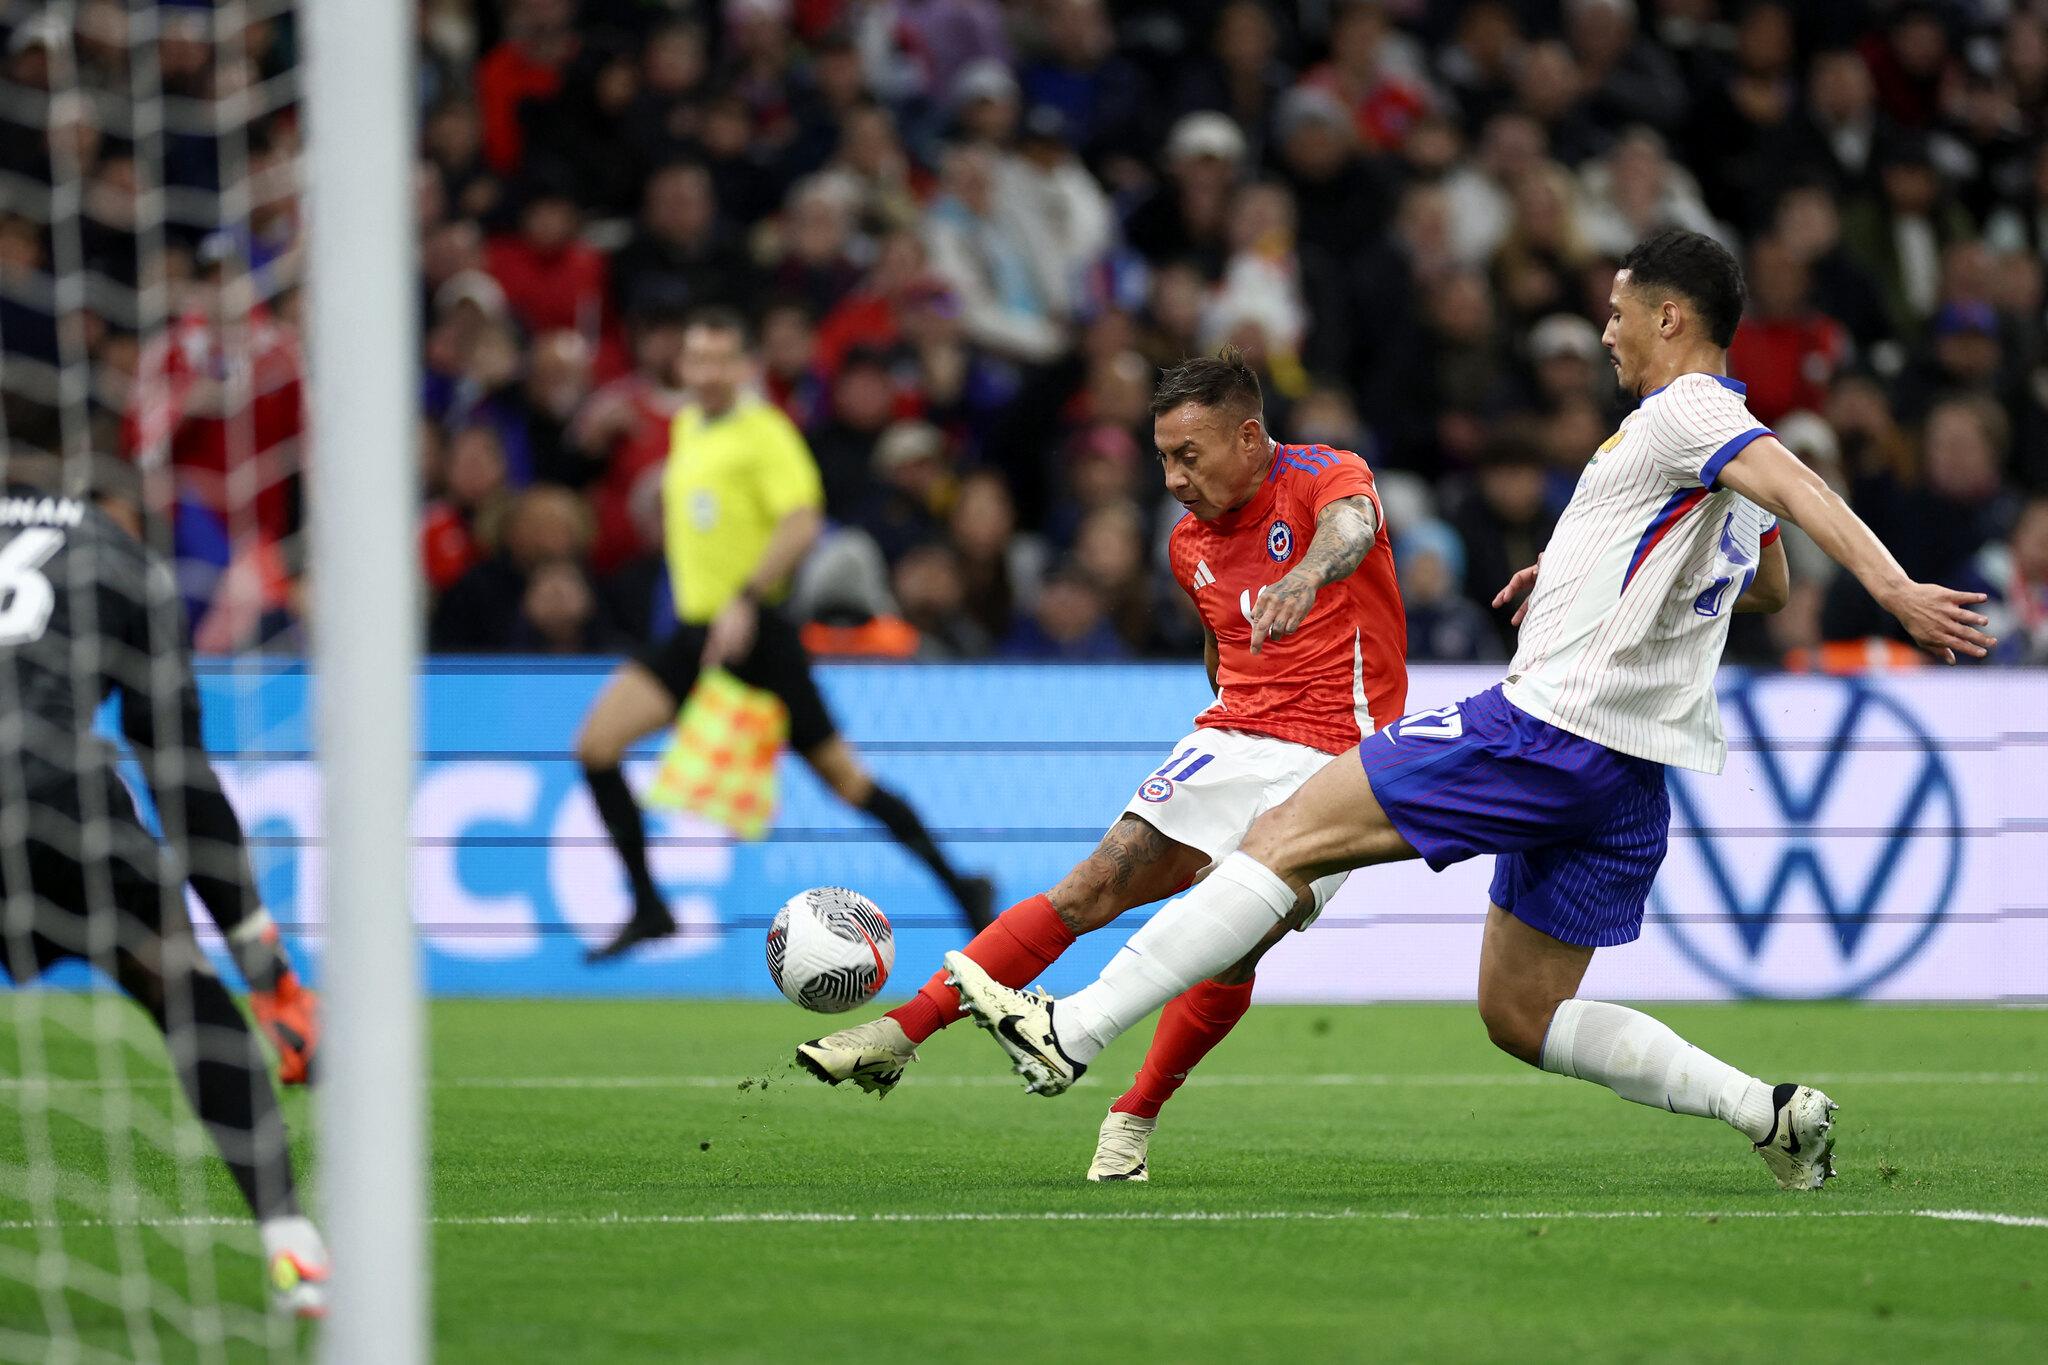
(628, 830)
(1193, 1023)
(1022, 942)
(223, 1075)
(1190, 940)
(1642, 1060)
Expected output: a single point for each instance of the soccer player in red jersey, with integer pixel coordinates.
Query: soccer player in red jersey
(1285, 556)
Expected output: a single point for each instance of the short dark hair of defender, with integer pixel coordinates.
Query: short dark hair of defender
(1221, 381)
(1696, 267)
(719, 318)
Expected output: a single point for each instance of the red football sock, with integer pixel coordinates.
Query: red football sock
(1192, 1023)
(1024, 940)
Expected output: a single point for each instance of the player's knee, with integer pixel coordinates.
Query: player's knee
(837, 767)
(597, 749)
(1264, 839)
(1514, 1024)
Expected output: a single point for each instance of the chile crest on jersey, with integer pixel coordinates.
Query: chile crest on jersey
(1280, 541)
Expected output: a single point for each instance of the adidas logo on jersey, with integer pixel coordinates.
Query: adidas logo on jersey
(1203, 578)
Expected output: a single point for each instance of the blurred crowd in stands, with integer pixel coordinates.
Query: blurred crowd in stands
(970, 232)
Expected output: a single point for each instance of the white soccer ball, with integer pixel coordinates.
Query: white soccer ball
(830, 949)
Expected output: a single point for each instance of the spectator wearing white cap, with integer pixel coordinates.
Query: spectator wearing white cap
(913, 488)
(1343, 194)
(1187, 218)
(984, 102)
(1569, 362)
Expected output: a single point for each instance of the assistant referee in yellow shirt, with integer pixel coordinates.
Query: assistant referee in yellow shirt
(742, 505)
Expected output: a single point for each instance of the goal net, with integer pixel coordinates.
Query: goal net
(151, 365)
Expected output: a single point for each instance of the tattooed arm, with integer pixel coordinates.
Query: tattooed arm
(1345, 531)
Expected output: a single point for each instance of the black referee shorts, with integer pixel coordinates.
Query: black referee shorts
(777, 663)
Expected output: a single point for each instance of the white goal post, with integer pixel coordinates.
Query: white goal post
(366, 614)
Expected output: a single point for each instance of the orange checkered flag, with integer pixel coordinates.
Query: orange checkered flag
(720, 760)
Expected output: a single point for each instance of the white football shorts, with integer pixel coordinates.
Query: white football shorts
(1217, 782)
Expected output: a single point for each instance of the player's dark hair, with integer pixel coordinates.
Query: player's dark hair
(719, 318)
(1699, 270)
(1222, 380)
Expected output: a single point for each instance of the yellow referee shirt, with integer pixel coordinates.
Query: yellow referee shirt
(729, 482)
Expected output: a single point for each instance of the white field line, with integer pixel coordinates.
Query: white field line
(1392, 1079)
(624, 1220)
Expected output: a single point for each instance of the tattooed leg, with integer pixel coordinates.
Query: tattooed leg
(1133, 865)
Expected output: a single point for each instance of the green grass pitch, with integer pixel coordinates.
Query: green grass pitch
(614, 1182)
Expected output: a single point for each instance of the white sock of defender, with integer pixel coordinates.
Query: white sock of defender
(1642, 1060)
(1190, 940)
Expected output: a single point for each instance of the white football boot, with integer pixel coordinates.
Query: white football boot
(871, 1055)
(1021, 1022)
(1120, 1150)
(295, 1261)
(1800, 1149)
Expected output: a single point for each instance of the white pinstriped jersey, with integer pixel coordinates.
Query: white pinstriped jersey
(1630, 613)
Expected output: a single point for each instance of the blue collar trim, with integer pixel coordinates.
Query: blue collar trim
(1740, 388)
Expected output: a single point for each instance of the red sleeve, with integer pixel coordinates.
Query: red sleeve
(1335, 474)
(1770, 535)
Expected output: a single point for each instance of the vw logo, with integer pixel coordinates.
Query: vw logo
(1824, 858)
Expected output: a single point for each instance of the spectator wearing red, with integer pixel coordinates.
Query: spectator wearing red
(553, 280)
(473, 497)
(1786, 350)
(539, 41)
(624, 430)
(1909, 63)
(872, 315)
(1364, 73)
(789, 369)
(219, 397)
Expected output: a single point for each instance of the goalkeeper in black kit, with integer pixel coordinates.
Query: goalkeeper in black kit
(86, 612)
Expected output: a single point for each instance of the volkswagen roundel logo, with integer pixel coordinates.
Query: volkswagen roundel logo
(1280, 541)
(1823, 860)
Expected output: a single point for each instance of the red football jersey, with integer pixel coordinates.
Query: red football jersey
(1344, 672)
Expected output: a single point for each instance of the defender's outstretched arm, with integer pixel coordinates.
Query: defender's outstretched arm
(1939, 619)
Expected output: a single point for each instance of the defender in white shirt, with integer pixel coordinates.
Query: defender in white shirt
(1559, 771)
